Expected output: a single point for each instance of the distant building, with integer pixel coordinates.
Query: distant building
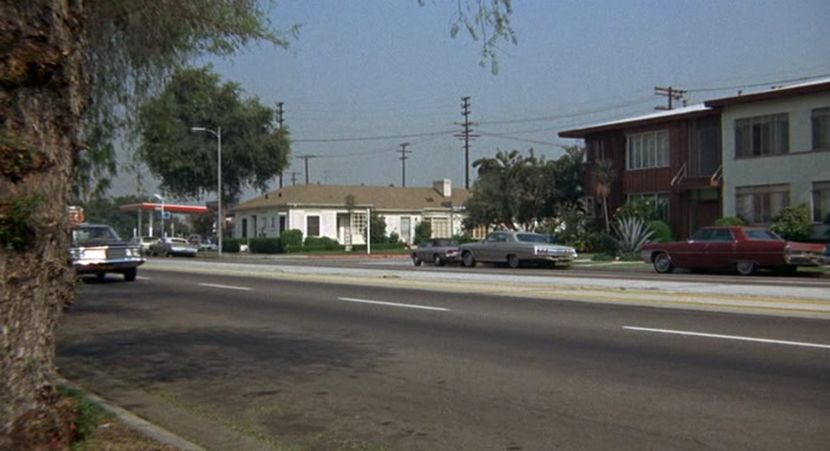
(324, 211)
(670, 158)
(776, 146)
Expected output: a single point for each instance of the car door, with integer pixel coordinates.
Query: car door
(720, 250)
(691, 254)
(492, 244)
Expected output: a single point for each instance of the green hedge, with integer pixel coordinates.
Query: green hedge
(265, 246)
(231, 245)
(380, 247)
(292, 237)
(314, 243)
(662, 231)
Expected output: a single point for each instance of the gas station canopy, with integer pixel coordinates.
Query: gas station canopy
(172, 208)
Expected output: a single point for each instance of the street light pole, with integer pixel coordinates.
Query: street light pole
(220, 223)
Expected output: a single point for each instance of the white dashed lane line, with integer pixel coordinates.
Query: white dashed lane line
(727, 337)
(395, 304)
(225, 287)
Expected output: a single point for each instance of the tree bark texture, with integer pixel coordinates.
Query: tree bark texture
(42, 96)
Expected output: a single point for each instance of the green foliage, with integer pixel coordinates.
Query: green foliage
(104, 210)
(292, 237)
(514, 191)
(464, 238)
(132, 47)
(254, 150)
(662, 231)
(203, 224)
(630, 234)
(264, 245)
(604, 174)
(423, 233)
(89, 414)
(794, 223)
(231, 245)
(378, 226)
(573, 228)
(729, 221)
(17, 231)
(314, 243)
(639, 209)
(394, 237)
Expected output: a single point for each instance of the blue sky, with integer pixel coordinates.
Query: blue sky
(372, 68)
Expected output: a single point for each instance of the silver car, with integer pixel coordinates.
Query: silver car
(514, 248)
(174, 246)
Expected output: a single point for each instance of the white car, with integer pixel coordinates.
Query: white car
(174, 246)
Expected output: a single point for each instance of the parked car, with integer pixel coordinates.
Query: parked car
(439, 251)
(97, 249)
(515, 248)
(143, 243)
(746, 249)
(167, 247)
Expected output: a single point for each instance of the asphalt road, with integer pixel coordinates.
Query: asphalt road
(245, 363)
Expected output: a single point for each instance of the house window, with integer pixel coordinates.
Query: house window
(759, 204)
(821, 128)
(659, 200)
(440, 227)
(282, 223)
(244, 227)
(648, 150)
(762, 135)
(821, 201)
(359, 224)
(589, 206)
(312, 226)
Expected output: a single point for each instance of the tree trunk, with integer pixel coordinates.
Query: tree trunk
(42, 96)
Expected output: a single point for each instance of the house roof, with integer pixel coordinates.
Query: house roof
(376, 197)
(640, 121)
(809, 87)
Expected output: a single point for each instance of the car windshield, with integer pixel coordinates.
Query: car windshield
(177, 240)
(93, 234)
(761, 234)
(533, 238)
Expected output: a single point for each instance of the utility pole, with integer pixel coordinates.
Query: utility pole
(403, 159)
(306, 158)
(671, 94)
(293, 175)
(279, 122)
(467, 135)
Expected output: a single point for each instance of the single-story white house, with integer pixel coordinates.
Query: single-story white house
(341, 212)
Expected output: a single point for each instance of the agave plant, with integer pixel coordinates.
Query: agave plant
(630, 233)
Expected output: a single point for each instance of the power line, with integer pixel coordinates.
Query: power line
(514, 138)
(756, 85)
(553, 117)
(671, 94)
(372, 138)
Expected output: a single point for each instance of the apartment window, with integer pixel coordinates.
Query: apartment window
(648, 150)
(762, 135)
(821, 201)
(589, 206)
(659, 200)
(821, 128)
(759, 204)
(312, 226)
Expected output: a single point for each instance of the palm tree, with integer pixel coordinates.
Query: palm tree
(604, 175)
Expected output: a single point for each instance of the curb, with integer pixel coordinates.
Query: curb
(135, 422)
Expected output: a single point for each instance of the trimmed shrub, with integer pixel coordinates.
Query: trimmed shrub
(264, 246)
(729, 221)
(423, 233)
(394, 237)
(794, 223)
(231, 245)
(292, 237)
(314, 243)
(662, 231)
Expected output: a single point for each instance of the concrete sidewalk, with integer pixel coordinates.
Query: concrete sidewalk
(760, 299)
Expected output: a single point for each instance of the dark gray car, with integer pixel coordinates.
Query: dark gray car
(514, 248)
(439, 251)
(97, 249)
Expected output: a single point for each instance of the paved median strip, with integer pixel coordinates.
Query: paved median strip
(395, 304)
(727, 337)
(225, 287)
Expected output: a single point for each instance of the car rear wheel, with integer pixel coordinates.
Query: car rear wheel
(415, 260)
(746, 268)
(130, 274)
(513, 261)
(662, 263)
(437, 260)
(468, 260)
